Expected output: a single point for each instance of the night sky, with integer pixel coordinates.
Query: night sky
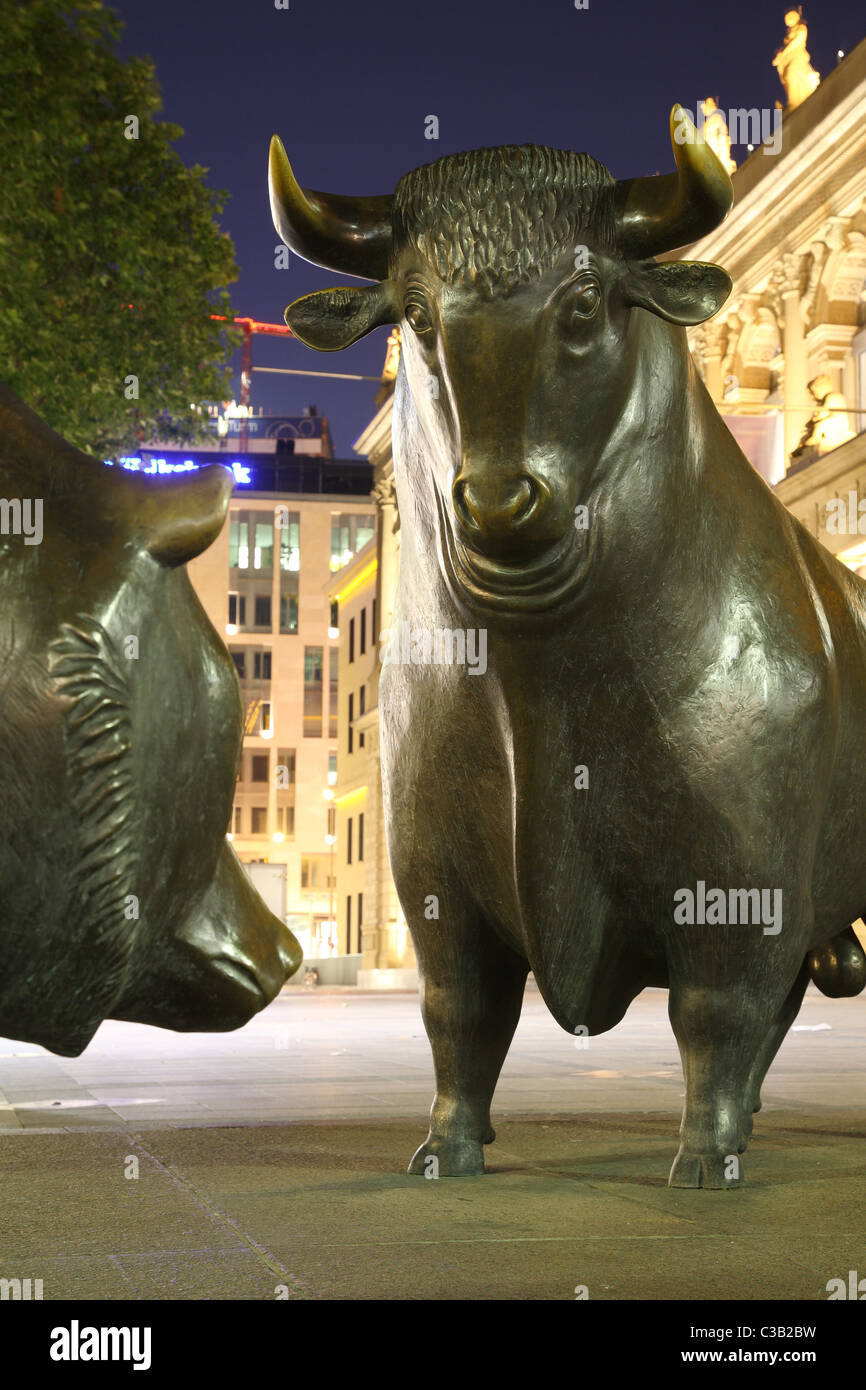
(348, 86)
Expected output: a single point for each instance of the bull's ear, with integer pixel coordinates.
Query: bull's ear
(683, 292)
(333, 319)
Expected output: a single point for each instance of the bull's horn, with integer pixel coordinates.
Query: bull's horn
(670, 210)
(349, 235)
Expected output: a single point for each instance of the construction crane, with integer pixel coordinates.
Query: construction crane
(249, 327)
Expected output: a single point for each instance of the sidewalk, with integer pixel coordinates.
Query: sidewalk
(277, 1156)
(326, 1211)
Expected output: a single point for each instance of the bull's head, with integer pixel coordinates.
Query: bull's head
(514, 273)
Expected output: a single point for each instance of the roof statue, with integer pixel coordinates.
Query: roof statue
(716, 134)
(828, 426)
(793, 63)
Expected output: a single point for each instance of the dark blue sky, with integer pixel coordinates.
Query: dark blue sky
(347, 85)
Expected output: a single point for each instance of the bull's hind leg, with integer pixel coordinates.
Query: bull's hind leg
(721, 1027)
(773, 1041)
(471, 995)
(838, 968)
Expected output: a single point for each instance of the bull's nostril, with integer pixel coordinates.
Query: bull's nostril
(463, 505)
(524, 502)
(497, 507)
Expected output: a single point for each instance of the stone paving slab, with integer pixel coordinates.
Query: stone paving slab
(328, 1211)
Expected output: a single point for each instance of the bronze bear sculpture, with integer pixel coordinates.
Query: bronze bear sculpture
(121, 734)
(657, 780)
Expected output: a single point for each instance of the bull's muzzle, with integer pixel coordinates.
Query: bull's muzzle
(499, 513)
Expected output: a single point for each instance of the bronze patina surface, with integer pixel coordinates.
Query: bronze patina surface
(119, 746)
(657, 778)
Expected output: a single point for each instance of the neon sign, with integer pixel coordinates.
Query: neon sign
(134, 464)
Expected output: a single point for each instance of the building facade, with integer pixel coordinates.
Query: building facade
(785, 359)
(264, 585)
(368, 586)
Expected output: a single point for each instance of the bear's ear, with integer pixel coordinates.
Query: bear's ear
(682, 292)
(332, 319)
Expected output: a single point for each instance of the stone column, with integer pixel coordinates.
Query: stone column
(797, 411)
(714, 334)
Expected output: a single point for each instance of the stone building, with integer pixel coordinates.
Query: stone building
(785, 359)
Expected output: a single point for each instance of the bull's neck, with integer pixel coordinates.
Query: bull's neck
(657, 454)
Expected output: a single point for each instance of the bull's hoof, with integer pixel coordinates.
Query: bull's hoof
(448, 1158)
(715, 1171)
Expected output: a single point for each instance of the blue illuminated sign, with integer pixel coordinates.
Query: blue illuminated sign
(134, 464)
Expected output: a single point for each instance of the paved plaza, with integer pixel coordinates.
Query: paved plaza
(271, 1162)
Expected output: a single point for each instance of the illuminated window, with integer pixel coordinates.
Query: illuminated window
(349, 534)
(290, 541)
(239, 543)
(313, 692)
(314, 872)
(256, 527)
(263, 551)
(333, 693)
(284, 775)
(289, 611)
(332, 769)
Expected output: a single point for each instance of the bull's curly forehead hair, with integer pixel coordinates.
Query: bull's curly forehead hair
(496, 218)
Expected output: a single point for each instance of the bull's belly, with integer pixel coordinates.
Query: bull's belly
(518, 853)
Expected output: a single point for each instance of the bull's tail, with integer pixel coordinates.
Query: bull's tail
(838, 966)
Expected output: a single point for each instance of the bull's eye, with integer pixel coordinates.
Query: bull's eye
(584, 302)
(419, 319)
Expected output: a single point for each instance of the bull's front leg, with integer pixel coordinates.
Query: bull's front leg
(471, 995)
(723, 1012)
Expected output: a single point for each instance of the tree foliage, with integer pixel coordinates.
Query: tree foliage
(111, 257)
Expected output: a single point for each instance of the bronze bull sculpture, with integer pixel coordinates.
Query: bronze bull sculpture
(657, 779)
(121, 734)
